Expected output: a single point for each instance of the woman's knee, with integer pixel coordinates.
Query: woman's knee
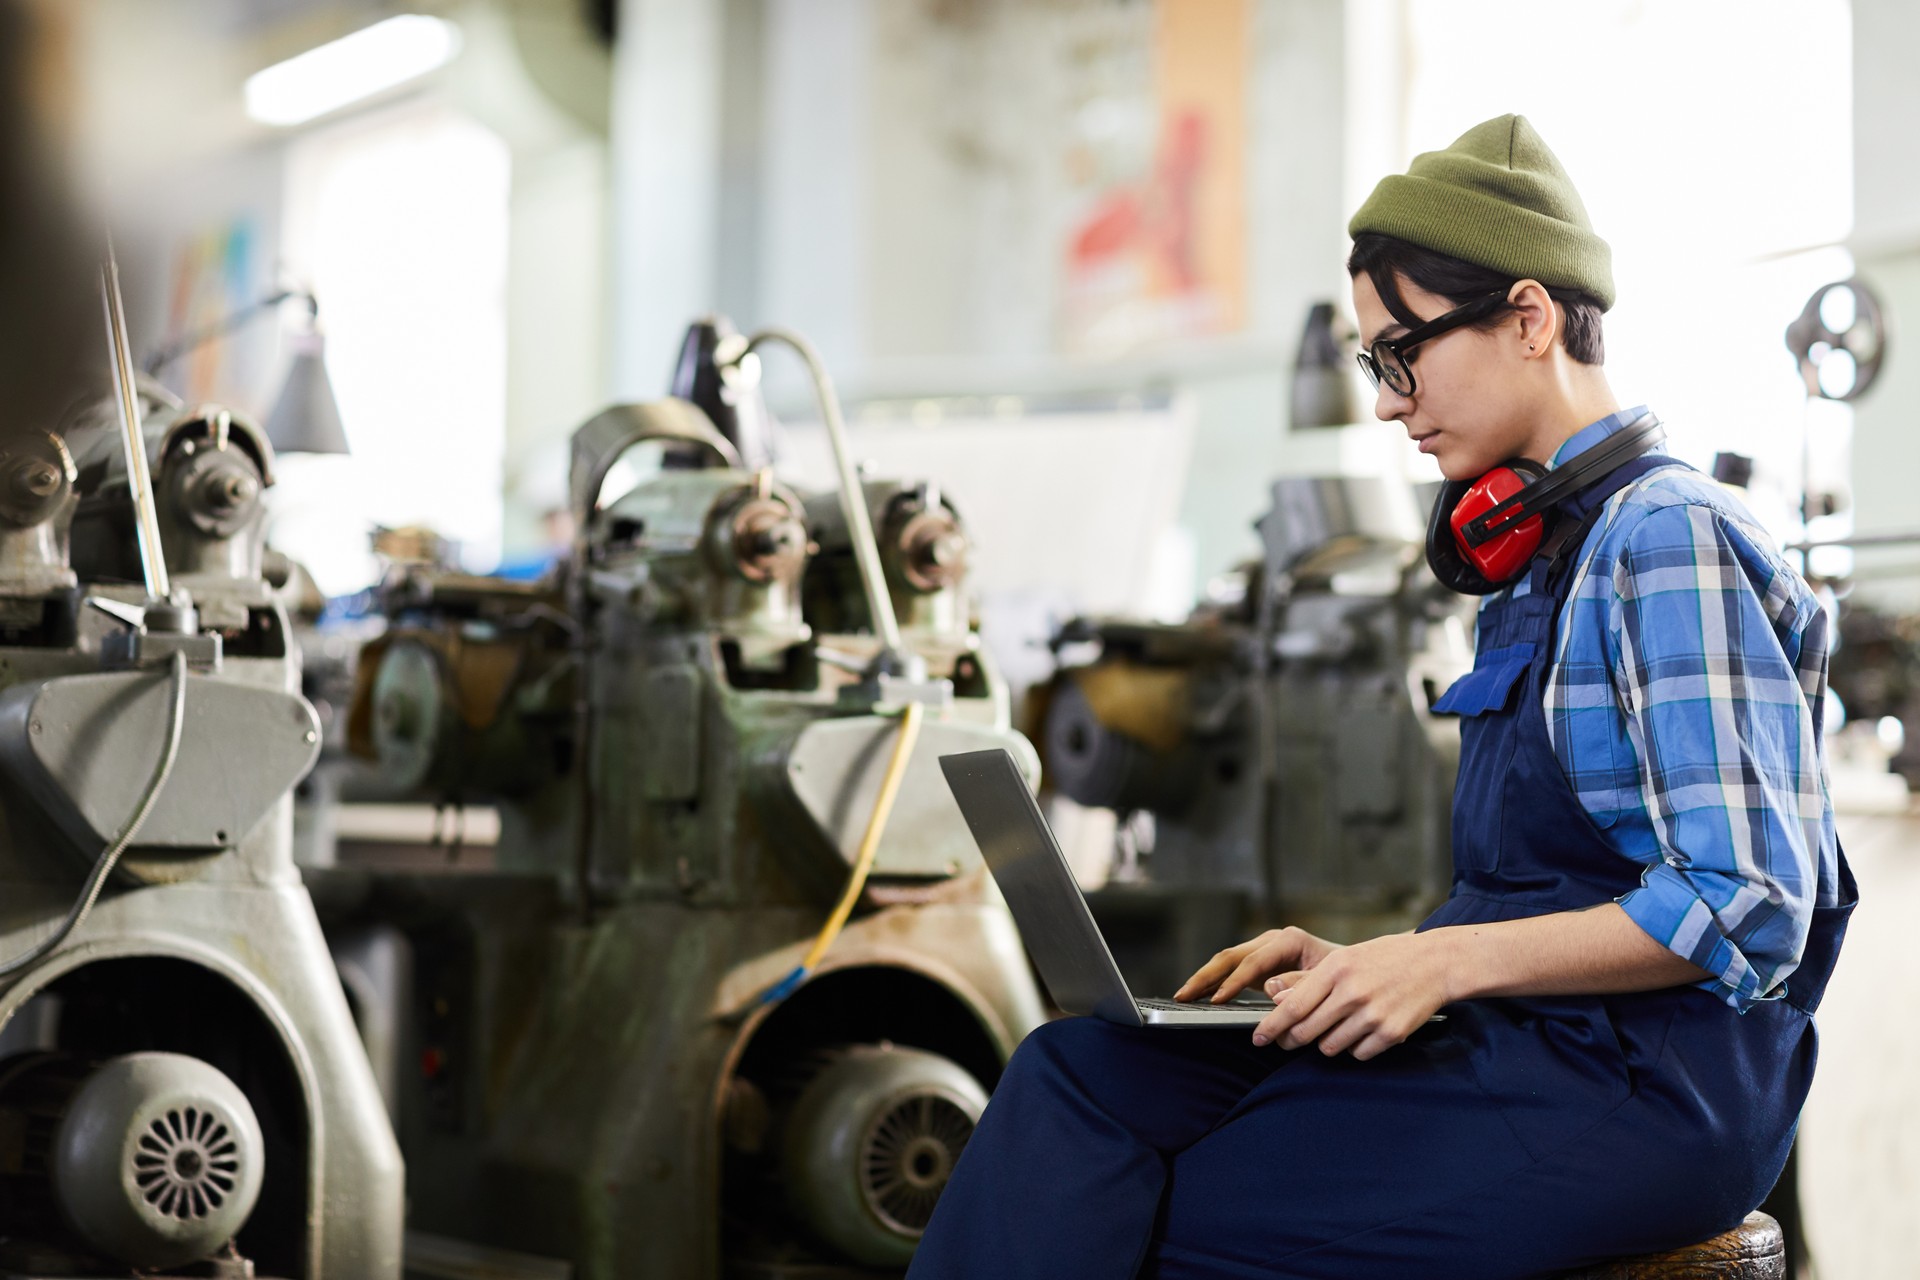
(1064, 1041)
(1067, 1034)
(1086, 1055)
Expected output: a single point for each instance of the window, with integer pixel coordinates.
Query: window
(398, 222)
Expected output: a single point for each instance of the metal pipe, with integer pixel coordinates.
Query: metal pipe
(227, 324)
(153, 564)
(1859, 540)
(853, 498)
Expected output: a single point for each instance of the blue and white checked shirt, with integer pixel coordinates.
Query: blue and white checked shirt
(1684, 704)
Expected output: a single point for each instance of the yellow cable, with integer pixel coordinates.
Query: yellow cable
(876, 827)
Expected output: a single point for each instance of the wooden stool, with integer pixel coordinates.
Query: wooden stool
(1754, 1250)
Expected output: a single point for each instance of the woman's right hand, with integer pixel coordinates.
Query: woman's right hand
(1277, 951)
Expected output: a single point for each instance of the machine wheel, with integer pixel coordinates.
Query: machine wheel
(870, 1143)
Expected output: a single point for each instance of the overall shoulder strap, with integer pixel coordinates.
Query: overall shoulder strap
(1561, 550)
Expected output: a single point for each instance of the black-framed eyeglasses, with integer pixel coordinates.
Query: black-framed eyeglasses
(1390, 360)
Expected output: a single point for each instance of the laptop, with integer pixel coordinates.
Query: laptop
(1053, 916)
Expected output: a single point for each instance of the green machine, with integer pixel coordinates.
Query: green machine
(1280, 744)
(616, 1047)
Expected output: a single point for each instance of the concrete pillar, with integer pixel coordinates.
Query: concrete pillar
(813, 241)
(1886, 244)
(557, 251)
(665, 149)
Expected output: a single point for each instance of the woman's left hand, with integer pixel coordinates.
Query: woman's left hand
(1362, 999)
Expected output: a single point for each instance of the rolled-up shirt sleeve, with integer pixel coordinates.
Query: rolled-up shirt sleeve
(1720, 673)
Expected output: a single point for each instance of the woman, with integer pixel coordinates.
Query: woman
(1648, 893)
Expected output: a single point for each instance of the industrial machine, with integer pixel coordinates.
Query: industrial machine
(632, 1038)
(182, 1089)
(1281, 742)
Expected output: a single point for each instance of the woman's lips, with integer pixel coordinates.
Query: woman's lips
(1428, 441)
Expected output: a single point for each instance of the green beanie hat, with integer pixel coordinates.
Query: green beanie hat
(1499, 199)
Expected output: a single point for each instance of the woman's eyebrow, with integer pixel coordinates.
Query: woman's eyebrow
(1393, 327)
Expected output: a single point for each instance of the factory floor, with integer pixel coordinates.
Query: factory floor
(1860, 1133)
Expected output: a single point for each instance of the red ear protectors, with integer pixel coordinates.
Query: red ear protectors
(1499, 556)
(1483, 533)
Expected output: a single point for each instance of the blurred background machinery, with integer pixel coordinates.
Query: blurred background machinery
(987, 212)
(606, 1042)
(181, 1084)
(1279, 746)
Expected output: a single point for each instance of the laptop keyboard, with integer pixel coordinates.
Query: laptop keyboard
(1241, 1002)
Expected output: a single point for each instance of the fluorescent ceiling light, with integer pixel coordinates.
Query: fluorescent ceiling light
(351, 68)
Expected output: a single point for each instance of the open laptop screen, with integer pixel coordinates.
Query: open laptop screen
(1039, 887)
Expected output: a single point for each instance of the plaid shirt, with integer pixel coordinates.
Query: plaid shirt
(1684, 704)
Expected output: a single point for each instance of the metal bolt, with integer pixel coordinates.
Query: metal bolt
(39, 479)
(225, 493)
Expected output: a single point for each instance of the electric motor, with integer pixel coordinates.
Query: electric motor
(870, 1144)
(152, 1159)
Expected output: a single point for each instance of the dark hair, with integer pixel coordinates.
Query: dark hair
(1387, 261)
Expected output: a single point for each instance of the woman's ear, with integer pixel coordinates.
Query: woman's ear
(1539, 317)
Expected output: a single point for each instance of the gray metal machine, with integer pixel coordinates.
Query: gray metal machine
(1281, 742)
(181, 1083)
(613, 1053)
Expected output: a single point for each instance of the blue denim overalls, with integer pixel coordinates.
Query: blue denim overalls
(1518, 1138)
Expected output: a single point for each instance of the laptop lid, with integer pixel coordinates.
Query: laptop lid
(1032, 872)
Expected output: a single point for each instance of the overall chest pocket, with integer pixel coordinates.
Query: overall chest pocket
(1484, 700)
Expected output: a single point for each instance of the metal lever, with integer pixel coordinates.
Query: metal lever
(135, 616)
(153, 564)
(847, 662)
(155, 631)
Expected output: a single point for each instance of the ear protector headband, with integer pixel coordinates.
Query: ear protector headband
(1482, 533)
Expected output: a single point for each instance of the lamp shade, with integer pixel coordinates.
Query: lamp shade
(306, 417)
(1322, 378)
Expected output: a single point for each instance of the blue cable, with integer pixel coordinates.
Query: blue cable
(785, 987)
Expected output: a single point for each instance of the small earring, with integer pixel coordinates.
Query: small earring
(1529, 346)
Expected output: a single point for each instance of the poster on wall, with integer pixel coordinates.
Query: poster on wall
(214, 272)
(1158, 250)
